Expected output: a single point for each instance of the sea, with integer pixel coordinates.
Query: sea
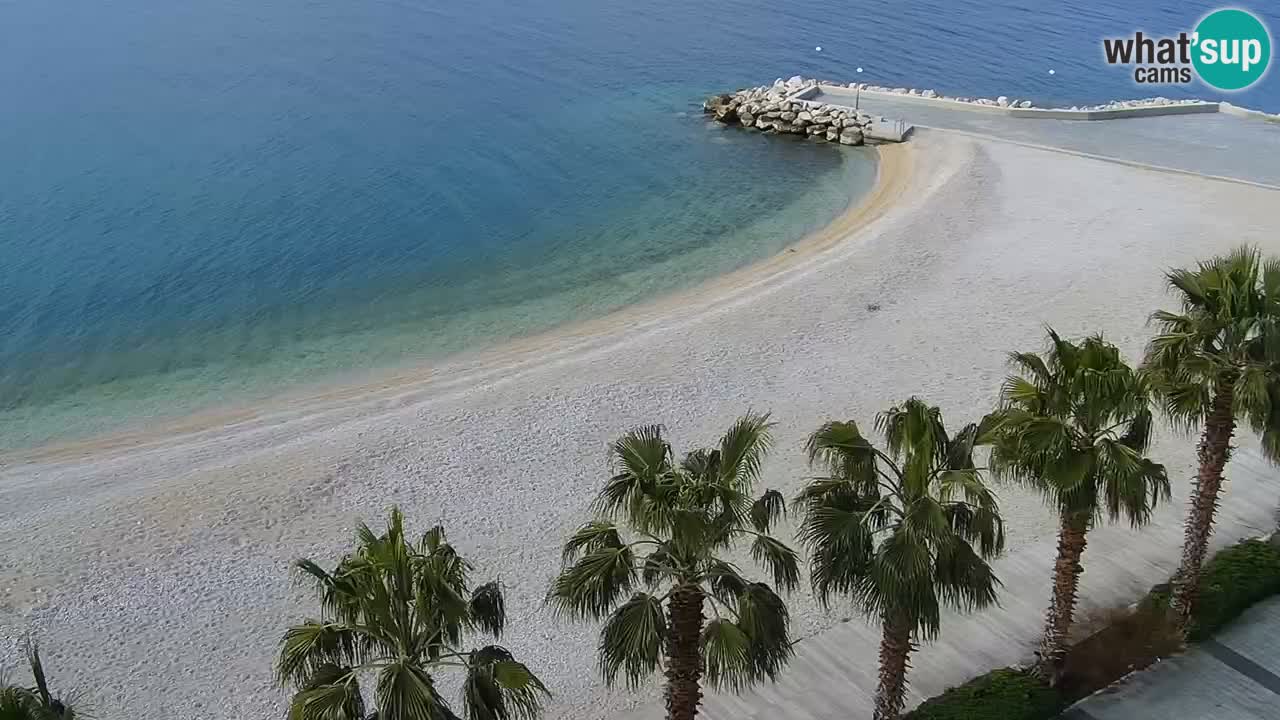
(209, 202)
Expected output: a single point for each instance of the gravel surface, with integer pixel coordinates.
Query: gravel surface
(155, 570)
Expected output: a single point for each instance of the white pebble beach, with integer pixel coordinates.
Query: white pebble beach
(154, 566)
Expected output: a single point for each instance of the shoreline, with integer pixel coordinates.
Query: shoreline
(176, 570)
(378, 389)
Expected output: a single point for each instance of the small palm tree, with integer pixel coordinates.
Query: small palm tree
(681, 517)
(896, 531)
(1075, 426)
(20, 703)
(1215, 364)
(399, 611)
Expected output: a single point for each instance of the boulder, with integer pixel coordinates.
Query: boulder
(804, 115)
(715, 102)
(763, 124)
(833, 135)
(815, 130)
(929, 94)
(801, 122)
(1024, 104)
(850, 136)
(795, 81)
(788, 116)
(773, 115)
(1003, 101)
(822, 119)
(747, 119)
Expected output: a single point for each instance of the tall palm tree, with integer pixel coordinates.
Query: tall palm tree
(896, 531)
(1215, 364)
(679, 519)
(1075, 426)
(398, 611)
(38, 703)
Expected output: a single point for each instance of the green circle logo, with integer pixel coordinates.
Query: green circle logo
(1232, 49)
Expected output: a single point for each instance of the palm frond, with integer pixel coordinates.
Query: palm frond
(763, 617)
(781, 561)
(742, 449)
(497, 687)
(595, 583)
(726, 650)
(332, 693)
(842, 543)
(488, 609)
(631, 640)
(312, 646)
(593, 536)
(724, 582)
(643, 458)
(840, 449)
(767, 509)
(405, 691)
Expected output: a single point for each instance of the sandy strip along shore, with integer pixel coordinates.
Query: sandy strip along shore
(154, 569)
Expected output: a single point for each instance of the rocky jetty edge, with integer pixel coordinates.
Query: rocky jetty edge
(781, 108)
(775, 109)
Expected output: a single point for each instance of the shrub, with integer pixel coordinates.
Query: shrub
(1004, 694)
(1234, 579)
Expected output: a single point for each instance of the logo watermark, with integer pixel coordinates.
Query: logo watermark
(1229, 49)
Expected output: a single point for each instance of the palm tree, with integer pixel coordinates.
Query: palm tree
(681, 517)
(1075, 426)
(20, 703)
(1214, 364)
(398, 611)
(895, 531)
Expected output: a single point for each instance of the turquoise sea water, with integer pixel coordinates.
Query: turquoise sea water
(205, 201)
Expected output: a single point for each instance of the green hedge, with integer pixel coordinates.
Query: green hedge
(1234, 579)
(999, 695)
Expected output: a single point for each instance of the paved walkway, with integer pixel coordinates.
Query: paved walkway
(1234, 676)
(1211, 144)
(834, 673)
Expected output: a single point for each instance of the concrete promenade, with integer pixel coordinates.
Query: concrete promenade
(834, 674)
(1234, 676)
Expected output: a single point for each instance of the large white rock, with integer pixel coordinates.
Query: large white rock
(1003, 101)
(851, 136)
(1024, 104)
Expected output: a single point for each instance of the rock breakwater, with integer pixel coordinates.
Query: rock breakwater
(773, 109)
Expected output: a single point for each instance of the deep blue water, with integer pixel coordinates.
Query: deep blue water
(205, 198)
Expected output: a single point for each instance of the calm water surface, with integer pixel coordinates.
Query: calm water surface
(203, 201)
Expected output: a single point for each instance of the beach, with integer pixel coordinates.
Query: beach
(154, 566)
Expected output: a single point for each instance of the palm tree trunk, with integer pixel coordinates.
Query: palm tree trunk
(684, 657)
(895, 648)
(1066, 581)
(1214, 451)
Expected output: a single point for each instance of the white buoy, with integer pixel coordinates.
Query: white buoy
(859, 69)
(1053, 72)
(819, 48)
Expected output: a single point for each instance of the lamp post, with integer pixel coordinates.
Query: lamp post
(857, 93)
